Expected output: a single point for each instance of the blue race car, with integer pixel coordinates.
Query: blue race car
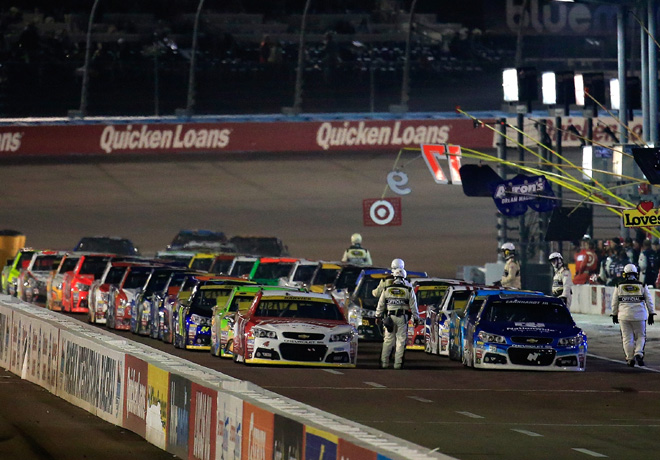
(459, 317)
(524, 332)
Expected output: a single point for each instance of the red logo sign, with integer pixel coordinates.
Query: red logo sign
(381, 211)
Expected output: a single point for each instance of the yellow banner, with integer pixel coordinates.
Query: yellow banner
(637, 218)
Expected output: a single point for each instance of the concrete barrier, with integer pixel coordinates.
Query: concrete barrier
(188, 410)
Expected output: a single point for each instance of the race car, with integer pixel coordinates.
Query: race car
(31, 284)
(191, 318)
(458, 318)
(108, 245)
(243, 266)
(294, 328)
(269, 270)
(123, 294)
(199, 240)
(13, 269)
(224, 317)
(324, 276)
(361, 305)
(56, 280)
(525, 333)
(144, 300)
(436, 328)
(99, 290)
(76, 283)
(429, 292)
(344, 284)
(300, 274)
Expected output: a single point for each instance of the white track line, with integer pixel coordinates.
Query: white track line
(469, 414)
(525, 432)
(589, 452)
(417, 398)
(375, 385)
(332, 371)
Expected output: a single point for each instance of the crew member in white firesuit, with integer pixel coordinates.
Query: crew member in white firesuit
(397, 302)
(632, 308)
(356, 254)
(397, 264)
(511, 275)
(562, 281)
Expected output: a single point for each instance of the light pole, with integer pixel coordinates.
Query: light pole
(297, 96)
(191, 76)
(405, 84)
(82, 111)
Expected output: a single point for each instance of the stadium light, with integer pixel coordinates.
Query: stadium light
(297, 96)
(190, 104)
(82, 111)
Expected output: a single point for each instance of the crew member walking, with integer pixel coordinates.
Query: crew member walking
(511, 275)
(632, 308)
(356, 254)
(396, 303)
(562, 281)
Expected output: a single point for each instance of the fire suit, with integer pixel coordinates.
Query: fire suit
(356, 254)
(398, 301)
(511, 276)
(562, 284)
(632, 304)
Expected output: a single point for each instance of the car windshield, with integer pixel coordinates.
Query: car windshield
(303, 309)
(527, 311)
(474, 306)
(364, 295)
(221, 266)
(430, 296)
(201, 263)
(241, 302)
(304, 273)
(137, 277)
(242, 268)
(46, 263)
(205, 299)
(115, 274)
(68, 264)
(157, 281)
(459, 300)
(324, 276)
(272, 271)
(94, 265)
(347, 278)
(108, 245)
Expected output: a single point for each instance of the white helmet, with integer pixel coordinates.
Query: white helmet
(399, 273)
(630, 271)
(508, 247)
(356, 238)
(397, 263)
(555, 255)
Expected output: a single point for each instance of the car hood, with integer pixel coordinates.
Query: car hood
(537, 329)
(302, 325)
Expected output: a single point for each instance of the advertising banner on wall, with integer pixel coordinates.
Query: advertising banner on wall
(178, 421)
(258, 433)
(201, 442)
(42, 355)
(288, 438)
(5, 336)
(320, 444)
(91, 376)
(135, 399)
(157, 403)
(229, 427)
(20, 337)
(348, 451)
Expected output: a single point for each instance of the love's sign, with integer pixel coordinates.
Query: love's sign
(645, 215)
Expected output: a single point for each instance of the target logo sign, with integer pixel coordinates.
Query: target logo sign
(381, 211)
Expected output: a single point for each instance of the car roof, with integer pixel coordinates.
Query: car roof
(287, 292)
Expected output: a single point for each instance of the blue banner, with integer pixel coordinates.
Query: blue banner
(512, 197)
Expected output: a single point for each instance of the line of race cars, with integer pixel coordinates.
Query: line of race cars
(276, 309)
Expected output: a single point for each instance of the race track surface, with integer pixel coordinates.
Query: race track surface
(314, 204)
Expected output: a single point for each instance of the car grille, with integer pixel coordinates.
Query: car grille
(532, 340)
(531, 356)
(309, 353)
(302, 336)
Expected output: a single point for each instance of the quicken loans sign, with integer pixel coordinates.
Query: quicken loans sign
(645, 215)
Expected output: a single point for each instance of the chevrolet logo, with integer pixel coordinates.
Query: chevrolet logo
(532, 340)
(303, 336)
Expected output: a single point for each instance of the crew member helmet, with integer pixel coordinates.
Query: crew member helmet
(509, 250)
(356, 238)
(399, 273)
(555, 255)
(397, 263)
(630, 271)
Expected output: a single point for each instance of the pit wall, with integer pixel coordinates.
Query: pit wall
(188, 410)
(597, 300)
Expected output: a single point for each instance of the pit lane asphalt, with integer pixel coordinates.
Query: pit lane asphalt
(314, 204)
